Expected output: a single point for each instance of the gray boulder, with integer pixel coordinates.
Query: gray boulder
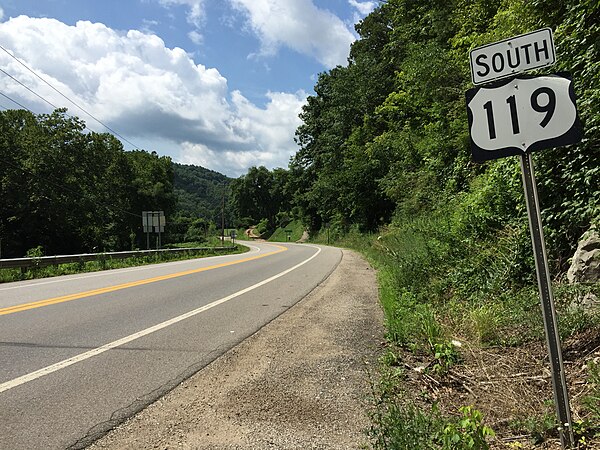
(585, 266)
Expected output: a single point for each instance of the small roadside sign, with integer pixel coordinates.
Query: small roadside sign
(512, 56)
(153, 222)
(522, 114)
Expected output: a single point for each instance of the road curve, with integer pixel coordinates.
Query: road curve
(78, 354)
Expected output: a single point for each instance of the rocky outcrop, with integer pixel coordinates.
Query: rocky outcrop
(585, 267)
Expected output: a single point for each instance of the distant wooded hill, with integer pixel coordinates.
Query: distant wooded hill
(199, 192)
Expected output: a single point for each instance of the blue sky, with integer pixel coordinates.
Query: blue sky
(218, 83)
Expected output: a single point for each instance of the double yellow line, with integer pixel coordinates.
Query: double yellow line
(118, 287)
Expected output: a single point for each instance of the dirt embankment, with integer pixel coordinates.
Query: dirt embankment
(302, 382)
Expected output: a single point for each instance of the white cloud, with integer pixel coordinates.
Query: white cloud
(299, 25)
(196, 15)
(196, 37)
(296, 24)
(364, 8)
(148, 93)
(267, 133)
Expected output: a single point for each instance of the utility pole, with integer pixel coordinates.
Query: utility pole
(223, 216)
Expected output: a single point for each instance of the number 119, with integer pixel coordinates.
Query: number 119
(548, 108)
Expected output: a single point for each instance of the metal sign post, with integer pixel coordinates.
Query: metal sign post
(147, 224)
(559, 381)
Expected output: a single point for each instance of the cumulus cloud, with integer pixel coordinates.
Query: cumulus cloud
(149, 93)
(364, 8)
(299, 25)
(263, 134)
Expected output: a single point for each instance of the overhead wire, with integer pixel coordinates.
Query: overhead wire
(55, 184)
(28, 88)
(49, 181)
(37, 95)
(67, 98)
(15, 102)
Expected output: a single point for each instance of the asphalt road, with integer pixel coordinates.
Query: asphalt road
(78, 354)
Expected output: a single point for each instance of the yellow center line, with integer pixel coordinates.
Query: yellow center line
(118, 287)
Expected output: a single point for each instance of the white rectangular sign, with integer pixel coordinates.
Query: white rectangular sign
(153, 221)
(511, 56)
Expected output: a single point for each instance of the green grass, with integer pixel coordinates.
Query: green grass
(296, 228)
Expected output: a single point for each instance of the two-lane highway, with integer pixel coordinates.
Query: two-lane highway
(80, 353)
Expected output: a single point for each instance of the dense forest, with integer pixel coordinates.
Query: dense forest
(202, 204)
(387, 138)
(65, 190)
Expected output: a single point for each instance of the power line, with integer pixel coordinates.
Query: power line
(28, 88)
(58, 184)
(68, 99)
(16, 102)
(37, 95)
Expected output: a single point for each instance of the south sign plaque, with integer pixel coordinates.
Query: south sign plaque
(512, 56)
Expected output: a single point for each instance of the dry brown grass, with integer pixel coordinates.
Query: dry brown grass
(512, 387)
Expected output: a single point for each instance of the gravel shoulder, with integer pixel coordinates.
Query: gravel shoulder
(301, 382)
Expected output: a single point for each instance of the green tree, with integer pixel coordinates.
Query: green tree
(259, 194)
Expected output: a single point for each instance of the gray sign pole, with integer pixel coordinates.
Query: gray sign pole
(158, 246)
(559, 382)
(146, 222)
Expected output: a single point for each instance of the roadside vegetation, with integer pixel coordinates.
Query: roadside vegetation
(468, 357)
(70, 191)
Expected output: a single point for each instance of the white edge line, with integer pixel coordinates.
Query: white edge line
(132, 337)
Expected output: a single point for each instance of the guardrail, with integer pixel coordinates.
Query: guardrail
(43, 261)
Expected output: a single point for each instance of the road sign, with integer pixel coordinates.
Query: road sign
(521, 115)
(512, 56)
(153, 221)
